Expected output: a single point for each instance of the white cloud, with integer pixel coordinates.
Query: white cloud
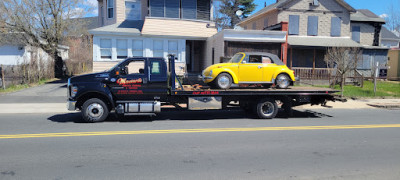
(383, 15)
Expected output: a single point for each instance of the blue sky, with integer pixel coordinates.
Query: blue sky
(379, 7)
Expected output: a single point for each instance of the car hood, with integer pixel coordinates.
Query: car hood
(90, 77)
(220, 65)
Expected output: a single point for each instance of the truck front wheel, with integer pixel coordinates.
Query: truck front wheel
(267, 108)
(94, 110)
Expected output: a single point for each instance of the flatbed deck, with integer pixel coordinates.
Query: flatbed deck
(254, 91)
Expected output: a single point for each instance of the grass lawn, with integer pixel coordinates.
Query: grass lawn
(384, 89)
(23, 86)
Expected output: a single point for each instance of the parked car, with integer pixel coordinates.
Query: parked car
(249, 68)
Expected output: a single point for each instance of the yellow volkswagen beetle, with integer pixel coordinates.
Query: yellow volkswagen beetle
(249, 68)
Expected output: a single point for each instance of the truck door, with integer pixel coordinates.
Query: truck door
(130, 80)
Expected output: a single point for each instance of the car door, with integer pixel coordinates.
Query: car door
(269, 69)
(251, 69)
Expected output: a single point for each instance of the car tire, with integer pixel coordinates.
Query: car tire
(282, 81)
(223, 81)
(267, 108)
(94, 110)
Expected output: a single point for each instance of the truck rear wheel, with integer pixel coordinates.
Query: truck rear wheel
(94, 110)
(267, 108)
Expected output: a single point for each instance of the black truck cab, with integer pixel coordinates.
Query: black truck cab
(134, 79)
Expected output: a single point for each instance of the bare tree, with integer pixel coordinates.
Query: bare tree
(392, 17)
(42, 23)
(345, 59)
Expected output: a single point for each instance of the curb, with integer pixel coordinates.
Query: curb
(387, 106)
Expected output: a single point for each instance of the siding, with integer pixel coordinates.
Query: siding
(324, 20)
(167, 27)
(272, 19)
(367, 33)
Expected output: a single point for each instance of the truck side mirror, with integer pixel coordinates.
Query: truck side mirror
(117, 71)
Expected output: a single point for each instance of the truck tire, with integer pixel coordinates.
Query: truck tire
(223, 81)
(267, 108)
(282, 81)
(94, 110)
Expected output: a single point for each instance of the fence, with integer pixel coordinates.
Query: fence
(327, 75)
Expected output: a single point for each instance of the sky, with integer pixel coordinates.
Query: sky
(379, 7)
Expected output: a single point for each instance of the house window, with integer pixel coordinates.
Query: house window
(189, 9)
(254, 26)
(203, 9)
(172, 8)
(294, 24)
(336, 24)
(158, 48)
(157, 8)
(312, 26)
(355, 33)
(265, 23)
(110, 8)
(245, 27)
(105, 48)
(133, 9)
(173, 47)
(137, 49)
(122, 48)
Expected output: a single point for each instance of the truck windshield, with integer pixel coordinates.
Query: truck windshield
(236, 58)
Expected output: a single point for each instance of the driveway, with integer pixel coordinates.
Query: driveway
(50, 97)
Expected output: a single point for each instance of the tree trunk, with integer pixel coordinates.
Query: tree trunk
(342, 83)
(59, 69)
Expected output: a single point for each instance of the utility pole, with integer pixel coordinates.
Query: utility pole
(376, 76)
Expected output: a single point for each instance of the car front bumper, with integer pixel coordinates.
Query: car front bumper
(71, 105)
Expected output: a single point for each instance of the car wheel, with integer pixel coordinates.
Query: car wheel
(94, 110)
(282, 81)
(267, 108)
(223, 81)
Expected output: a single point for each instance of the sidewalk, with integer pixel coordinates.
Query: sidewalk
(359, 104)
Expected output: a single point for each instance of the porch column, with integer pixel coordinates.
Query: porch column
(284, 46)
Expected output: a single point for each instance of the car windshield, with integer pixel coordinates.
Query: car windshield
(236, 58)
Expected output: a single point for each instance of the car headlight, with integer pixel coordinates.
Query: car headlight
(210, 73)
(74, 91)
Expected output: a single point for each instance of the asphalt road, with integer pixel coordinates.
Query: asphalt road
(314, 144)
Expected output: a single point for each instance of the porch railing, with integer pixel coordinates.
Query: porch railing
(312, 73)
(354, 77)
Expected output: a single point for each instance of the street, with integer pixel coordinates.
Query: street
(319, 143)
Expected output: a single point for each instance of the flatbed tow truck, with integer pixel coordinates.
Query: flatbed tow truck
(144, 93)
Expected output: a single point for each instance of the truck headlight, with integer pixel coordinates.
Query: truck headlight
(210, 73)
(74, 91)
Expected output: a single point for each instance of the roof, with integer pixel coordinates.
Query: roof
(127, 27)
(282, 3)
(317, 41)
(11, 39)
(274, 57)
(388, 35)
(365, 15)
(87, 22)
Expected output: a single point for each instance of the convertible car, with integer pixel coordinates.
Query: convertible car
(249, 68)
